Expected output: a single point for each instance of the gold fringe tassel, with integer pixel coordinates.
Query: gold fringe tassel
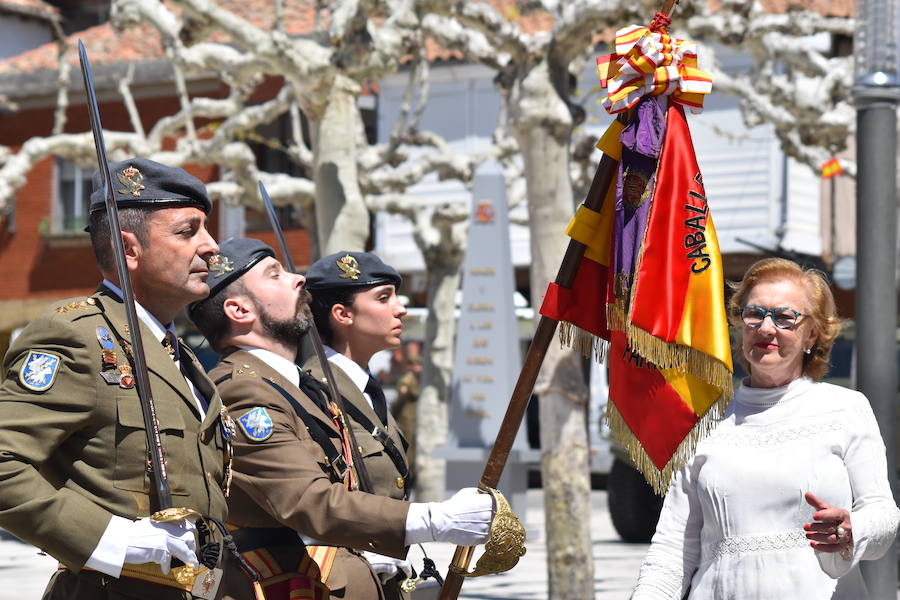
(615, 316)
(589, 345)
(682, 358)
(668, 355)
(658, 479)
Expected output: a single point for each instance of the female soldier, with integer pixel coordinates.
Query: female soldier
(357, 313)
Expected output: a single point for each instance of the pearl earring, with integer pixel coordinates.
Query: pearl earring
(808, 351)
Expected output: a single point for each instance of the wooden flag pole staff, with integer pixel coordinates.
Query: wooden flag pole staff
(543, 335)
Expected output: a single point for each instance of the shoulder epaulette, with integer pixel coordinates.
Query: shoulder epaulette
(76, 305)
(244, 370)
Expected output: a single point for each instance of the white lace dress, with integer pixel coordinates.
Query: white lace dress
(732, 523)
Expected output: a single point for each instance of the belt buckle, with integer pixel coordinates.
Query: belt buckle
(340, 467)
(380, 435)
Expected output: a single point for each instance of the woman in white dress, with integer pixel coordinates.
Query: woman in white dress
(790, 491)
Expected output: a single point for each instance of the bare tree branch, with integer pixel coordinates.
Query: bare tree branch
(133, 114)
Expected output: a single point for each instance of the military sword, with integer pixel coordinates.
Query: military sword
(157, 465)
(365, 483)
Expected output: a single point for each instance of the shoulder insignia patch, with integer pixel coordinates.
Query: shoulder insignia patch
(257, 424)
(39, 370)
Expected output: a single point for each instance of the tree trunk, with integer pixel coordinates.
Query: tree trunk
(542, 126)
(443, 265)
(342, 221)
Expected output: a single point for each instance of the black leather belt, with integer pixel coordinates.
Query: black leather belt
(254, 538)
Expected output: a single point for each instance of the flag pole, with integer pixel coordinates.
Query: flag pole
(534, 358)
(521, 394)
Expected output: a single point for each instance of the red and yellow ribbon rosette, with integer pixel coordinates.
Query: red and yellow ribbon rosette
(648, 61)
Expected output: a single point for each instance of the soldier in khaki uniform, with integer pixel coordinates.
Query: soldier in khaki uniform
(358, 313)
(298, 519)
(73, 453)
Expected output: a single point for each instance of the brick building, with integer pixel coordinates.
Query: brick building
(44, 253)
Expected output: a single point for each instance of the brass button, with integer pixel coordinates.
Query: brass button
(91, 301)
(361, 449)
(400, 482)
(373, 544)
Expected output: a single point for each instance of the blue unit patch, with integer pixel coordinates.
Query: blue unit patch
(257, 424)
(39, 370)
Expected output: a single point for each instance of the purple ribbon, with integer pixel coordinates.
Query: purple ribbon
(642, 142)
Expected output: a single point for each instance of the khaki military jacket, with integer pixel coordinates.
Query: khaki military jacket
(385, 476)
(284, 480)
(72, 445)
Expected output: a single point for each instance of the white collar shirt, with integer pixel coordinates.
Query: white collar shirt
(358, 375)
(284, 367)
(159, 332)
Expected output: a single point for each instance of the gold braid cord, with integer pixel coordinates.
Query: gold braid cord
(505, 545)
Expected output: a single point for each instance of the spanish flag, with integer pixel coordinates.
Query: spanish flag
(650, 293)
(831, 168)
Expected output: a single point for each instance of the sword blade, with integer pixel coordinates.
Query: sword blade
(365, 483)
(158, 472)
(276, 227)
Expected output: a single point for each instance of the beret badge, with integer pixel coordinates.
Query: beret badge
(220, 264)
(349, 266)
(132, 179)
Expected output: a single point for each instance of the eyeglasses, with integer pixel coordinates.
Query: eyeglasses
(782, 317)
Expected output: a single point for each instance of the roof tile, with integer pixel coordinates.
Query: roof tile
(106, 45)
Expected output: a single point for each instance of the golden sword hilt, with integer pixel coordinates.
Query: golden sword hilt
(504, 547)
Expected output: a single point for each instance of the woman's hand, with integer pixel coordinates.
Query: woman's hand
(831, 530)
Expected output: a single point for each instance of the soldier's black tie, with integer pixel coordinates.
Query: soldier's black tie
(373, 389)
(170, 341)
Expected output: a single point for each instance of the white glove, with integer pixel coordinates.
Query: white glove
(149, 541)
(464, 519)
(386, 567)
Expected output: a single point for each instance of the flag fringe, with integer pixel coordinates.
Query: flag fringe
(588, 344)
(669, 355)
(658, 479)
(615, 316)
(685, 359)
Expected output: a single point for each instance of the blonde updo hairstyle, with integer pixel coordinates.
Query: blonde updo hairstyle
(822, 311)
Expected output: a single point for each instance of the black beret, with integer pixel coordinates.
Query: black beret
(347, 270)
(143, 183)
(236, 256)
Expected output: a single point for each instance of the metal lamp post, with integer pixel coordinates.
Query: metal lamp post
(876, 92)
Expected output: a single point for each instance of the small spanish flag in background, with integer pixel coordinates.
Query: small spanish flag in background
(831, 168)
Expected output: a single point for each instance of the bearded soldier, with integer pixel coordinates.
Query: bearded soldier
(73, 447)
(299, 518)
